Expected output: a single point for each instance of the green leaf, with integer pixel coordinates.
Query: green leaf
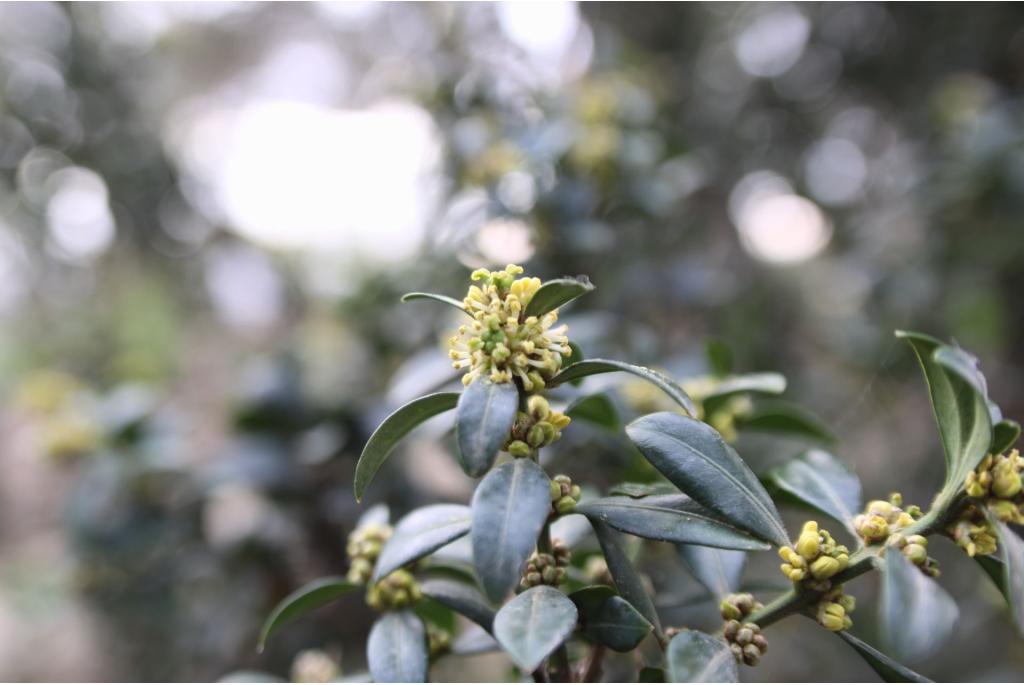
(917, 615)
(483, 420)
(591, 367)
(719, 570)
(421, 532)
(308, 597)
(396, 650)
(784, 418)
(959, 399)
(671, 518)
(409, 297)
(596, 409)
(553, 294)
(627, 580)
(615, 624)
(510, 507)
(638, 490)
(1011, 553)
(462, 599)
(534, 624)
(768, 383)
(694, 457)
(889, 670)
(820, 481)
(650, 674)
(719, 356)
(1004, 434)
(695, 657)
(393, 429)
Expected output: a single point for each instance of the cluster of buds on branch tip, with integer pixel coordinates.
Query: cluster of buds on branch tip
(363, 548)
(834, 609)
(564, 495)
(537, 427)
(817, 558)
(547, 569)
(882, 519)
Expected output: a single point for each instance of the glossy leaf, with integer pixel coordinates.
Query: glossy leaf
(1004, 435)
(768, 383)
(959, 399)
(591, 367)
(557, 292)
(616, 625)
(694, 457)
(627, 580)
(409, 297)
(784, 418)
(308, 597)
(474, 640)
(638, 490)
(461, 598)
(393, 429)
(695, 657)
(534, 624)
(596, 409)
(397, 649)
(421, 532)
(820, 481)
(889, 670)
(719, 570)
(510, 507)
(671, 518)
(1011, 553)
(917, 615)
(483, 420)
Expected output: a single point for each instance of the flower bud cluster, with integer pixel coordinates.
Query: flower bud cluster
(547, 569)
(998, 483)
(915, 548)
(973, 532)
(834, 609)
(503, 343)
(745, 640)
(396, 590)
(439, 640)
(881, 519)
(815, 559)
(564, 495)
(738, 606)
(363, 548)
(537, 427)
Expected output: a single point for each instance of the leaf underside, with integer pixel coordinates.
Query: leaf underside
(591, 367)
(695, 657)
(421, 532)
(820, 481)
(483, 419)
(557, 292)
(534, 624)
(397, 648)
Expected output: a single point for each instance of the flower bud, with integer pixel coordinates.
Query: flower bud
(731, 628)
(535, 436)
(880, 508)
(745, 636)
(751, 655)
(729, 611)
(916, 553)
(519, 449)
(825, 567)
(873, 528)
(538, 408)
(1006, 484)
(808, 543)
(565, 505)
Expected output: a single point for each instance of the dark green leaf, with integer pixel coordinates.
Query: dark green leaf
(627, 580)
(393, 429)
(596, 409)
(638, 490)
(1004, 434)
(302, 601)
(694, 457)
(1011, 553)
(397, 649)
(819, 480)
(591, 367)
(534, 624)
(421, 532)
(616, 624)
(461, 598)
(575, 356)
(917, 615)
(671, 518)
(483, 420)
(784, 418)
(890, 671)
(719, 570)
(409, 297)
(695, 657)
(553, 294)
(510, 507)
(719, 357)
(649, 674)
(758, 383)
(959, 399)
(590, 598)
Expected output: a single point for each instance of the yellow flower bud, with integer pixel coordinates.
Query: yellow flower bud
(825, 567)
(880, 508)
(808, 544)
(538, 407)
(916, 553)
(1006, 484)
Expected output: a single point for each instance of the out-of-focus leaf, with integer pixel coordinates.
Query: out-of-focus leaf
(694, 457)
(889, 670)
(474, 640)
(820, 481)
(409, 297)
(638, 490)
(959, 398)
(591, 367)
(595, 409)
(575, 356)
(627, 580)
(650, 674)
(483, 420)
(397, 649)
(719, 570)
(768, 383)
(421, 532)
(393, 429)
(616, 625)
(461, 598)
(377, 515)
(671, 518)
(695, 657)
(719, 356)
(510, 507)
(1004, 434)
(1011, 553)
(784, 418)
(917, 615)
(308, 597)
(534, 624)
(554, 293)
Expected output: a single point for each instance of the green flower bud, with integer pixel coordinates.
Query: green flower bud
(519, 449)
(873, 528)
(880, 508)
(729, 611)
(916, 553)
(556, 491)
(575, 492)
(549, 575)
(565, 505)
(535, 437)
(1006, 484)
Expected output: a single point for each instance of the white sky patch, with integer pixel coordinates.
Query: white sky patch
(774, 224)
(544, 29)
(80, 226)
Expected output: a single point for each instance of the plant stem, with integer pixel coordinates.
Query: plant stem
(591, 670)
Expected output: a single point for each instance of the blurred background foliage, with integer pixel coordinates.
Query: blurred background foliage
(208, 212)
